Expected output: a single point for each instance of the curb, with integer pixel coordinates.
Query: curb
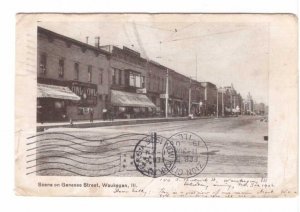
(116, 123)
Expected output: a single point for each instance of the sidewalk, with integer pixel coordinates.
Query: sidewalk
(115, 122)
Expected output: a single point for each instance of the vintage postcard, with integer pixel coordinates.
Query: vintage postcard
(156, 105)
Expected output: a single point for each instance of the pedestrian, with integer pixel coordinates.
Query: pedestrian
(111, 114)
(104, 114)
(91, 115)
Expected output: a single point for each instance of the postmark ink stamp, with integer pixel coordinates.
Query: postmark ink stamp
(154, 156)
(191, 154)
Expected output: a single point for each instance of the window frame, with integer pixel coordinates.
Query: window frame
(43, 70)
(90, 73)
(61, 67)
(76, 71)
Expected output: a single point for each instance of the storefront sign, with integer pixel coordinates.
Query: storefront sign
(141, 90)
(163, 96)
(86, 91)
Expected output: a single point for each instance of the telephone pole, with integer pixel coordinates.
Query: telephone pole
(167, 93)
(222, 102)
(217, 103)
(190, 90)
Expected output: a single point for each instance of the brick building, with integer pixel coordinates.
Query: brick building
(76, 79)
(72, 78)
(248, 105)
(127, 79)
(156, 85)
(197, 98)
(210, 98)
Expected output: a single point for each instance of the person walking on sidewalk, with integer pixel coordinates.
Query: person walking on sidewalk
(104, 114)
(91, 115)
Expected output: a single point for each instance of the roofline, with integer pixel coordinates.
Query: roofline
(76, 42)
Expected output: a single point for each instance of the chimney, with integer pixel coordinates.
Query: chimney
(87, 39)
(97, 42)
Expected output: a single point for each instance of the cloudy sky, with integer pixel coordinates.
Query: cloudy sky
(219, 52)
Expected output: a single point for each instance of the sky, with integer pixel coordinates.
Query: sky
(222, 53)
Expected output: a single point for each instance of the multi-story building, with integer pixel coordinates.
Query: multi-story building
(156, 85)
(197, 98)
(127, 79)
(76, 79)
(72, 78)
(179, 86)
(233, 100)
(260, 109)
(249, 105)
(210, 98)
(229, 101)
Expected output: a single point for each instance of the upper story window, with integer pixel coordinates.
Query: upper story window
(43, 64)
(143, 82)
(100, 76)
(158, 81)
(61, 67)
(76, 71)
(90, 73)
(114, 76)
(135, 79)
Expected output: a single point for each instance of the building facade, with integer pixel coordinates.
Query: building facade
(72, 78)
(210, 98)
(156, 85)
(233, 100)
(249, 105)
(77, 80)
(127, 78)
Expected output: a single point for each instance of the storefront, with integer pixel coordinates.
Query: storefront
(88, 100)
(130, 105)
(65, 100)
(52, 102)
(195, 109)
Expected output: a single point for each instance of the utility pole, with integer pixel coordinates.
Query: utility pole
(231, 101)
(223, 103)
(190, 91)
(217, 103)
(196, 67)
(167, 93)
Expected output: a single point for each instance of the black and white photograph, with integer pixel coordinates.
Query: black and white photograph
(151, 96)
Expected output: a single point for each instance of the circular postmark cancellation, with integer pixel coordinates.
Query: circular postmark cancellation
(154, 156)
(191, 154)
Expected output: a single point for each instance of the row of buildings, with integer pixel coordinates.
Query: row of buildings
(75, 79)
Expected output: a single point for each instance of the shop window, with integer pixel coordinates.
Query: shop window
(61, 68)
(76, 71)
(43, 64)
(90, 74)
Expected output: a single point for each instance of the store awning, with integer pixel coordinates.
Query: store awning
(125, 99)
(56, 92)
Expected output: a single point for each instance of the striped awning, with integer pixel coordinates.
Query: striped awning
(125, 99)
(56, 92)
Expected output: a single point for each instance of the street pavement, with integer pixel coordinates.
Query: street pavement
(234, 147)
